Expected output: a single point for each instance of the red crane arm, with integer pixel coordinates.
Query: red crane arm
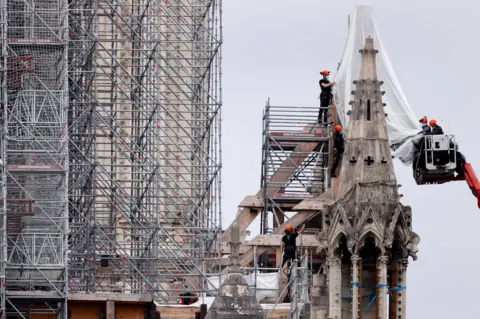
(472, 181)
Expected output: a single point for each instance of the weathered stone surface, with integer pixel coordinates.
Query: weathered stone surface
(235, 299)
(367, 224)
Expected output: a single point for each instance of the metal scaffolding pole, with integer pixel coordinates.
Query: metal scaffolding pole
(296, 146)
(35, 157)
(3, 131)
(145, 157)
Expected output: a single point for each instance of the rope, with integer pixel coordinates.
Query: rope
(374, 297)
(362, 297)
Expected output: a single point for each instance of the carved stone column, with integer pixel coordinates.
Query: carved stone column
(382, 288)
(401, 290)
(335, 288)
(355, 286)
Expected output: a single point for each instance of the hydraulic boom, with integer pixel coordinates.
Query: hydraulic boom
(472, 181)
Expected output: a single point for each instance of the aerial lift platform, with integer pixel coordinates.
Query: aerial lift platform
(439, 161)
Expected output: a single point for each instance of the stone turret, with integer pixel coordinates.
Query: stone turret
(367, 157)
(235, 299)
(367, 233)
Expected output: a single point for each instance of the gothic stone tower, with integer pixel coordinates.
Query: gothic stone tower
(235, 299)
(367, 233)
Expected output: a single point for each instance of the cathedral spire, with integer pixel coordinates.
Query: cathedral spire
(367, 233)
(367, 157)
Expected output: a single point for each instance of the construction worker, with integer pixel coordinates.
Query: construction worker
(418, 158)
(325, 96)
(338, 148)
(289, 243)
(436, 129)
(419, 142)
(419, 139)
(188, 298)
(425, 128)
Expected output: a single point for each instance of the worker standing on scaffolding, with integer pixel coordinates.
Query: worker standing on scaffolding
(289, 243)
(338, 148)
(325, 96)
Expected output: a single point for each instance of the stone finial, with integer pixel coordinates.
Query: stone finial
(368, 69)
(234, 249)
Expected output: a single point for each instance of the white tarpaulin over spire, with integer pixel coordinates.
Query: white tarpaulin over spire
(402, 123)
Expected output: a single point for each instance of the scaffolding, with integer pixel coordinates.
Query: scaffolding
(295, 160)
(34, 150)
(110, 145)
(145, 101)
(297, 287)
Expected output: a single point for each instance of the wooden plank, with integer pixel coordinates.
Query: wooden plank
(275, 240)
(252, 202)
(244, 218)
(283, 174)
(296, 220)
(317, 203)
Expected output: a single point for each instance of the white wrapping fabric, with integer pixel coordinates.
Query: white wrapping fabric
(401, 121)
(267, 284)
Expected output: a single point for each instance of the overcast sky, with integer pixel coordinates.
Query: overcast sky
(276, 48)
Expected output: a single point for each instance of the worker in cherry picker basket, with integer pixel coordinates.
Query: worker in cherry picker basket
(460, 158)
(338, 148)
(289, 243)
(425, 127)
(419, 139)
(436, 129)
(325, 96)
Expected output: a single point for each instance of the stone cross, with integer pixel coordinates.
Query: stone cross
(234, 249)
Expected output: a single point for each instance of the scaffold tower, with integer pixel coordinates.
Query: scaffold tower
(110, 149)
(145, 158)
(34, 145)
(295, 160)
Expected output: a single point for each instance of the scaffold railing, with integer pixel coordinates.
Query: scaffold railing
(145, 157)
(295, 159)
(34, 147)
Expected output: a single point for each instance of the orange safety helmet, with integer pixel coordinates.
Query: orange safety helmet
(289, 228)
(433, 122)
(325, 72)
(338, 128)
(423, 120)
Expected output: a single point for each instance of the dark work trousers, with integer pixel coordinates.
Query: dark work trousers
(325, 100)
(289, 254)
(336, 160)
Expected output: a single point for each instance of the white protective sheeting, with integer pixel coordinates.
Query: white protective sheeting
(402, 123)
(267, 284)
